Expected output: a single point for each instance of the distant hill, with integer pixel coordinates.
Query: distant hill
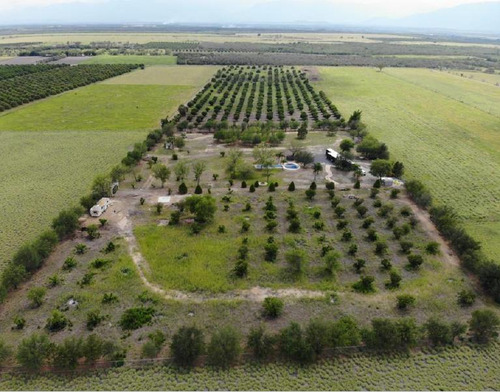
(479, 17)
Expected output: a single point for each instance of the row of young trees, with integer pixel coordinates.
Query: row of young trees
(303, 345)
(467, 248)
(230, 89)
(26, 88)
(11, 71)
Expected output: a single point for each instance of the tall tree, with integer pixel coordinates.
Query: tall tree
(161, 172)
(264, 156)
(198, 170)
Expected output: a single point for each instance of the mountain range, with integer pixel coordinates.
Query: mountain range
(477, 17)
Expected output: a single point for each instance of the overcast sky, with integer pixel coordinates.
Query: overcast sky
(386, 8)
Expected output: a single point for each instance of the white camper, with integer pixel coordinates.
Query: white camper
(101, 206)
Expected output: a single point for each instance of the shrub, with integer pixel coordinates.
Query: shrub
(291, 187)
(135, 318)
(272, 307)
(342, 224)
(344, 332)
(57, 321)
(466, 298)
(406, 246)
(418, 193)
(187, 345)
(260, 343)
(66, 222)
(386, 265)
(332, 262)
(316, 336)
(294, 226)
(80, 249)
(330, 185)
(245, 226)
(440, 333)
(353, 249)
(221, 229)
(484, 325)
(110, 247)
(19, 322)
(415, 261)
(377, 203)
(5, 352)
(33, 351)
(405, 211)
(252, 188)
(374, 193)
(198, 190)
(66, 354)
(224, 348)
(109, 298)
(359, 265)
(339, 211)
(310, 193)
(203, 208)
(271, 250)
(357, 185)
(392, 335)
(271, 187)
(404, 301)
(100, 263)
(36, 296)
(346, 236)
(296, 258)
(368, 222)
(362, 210)
(183, 189)
(394, 281)
(381, 247)
(241, 268)
(293, 345)
(271, 225)
(432, 248)
(395, 193)
(372, 235)
(94, 318)
(364, 285)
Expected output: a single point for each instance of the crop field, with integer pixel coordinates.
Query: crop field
(452, 369)
(47, 155)
(132, 59)
(99, 107)
(48, 80)
(452, 146)
(136, 104)
(173, 76)
(44, 172)
(482, 77)
(181, 37)
(252, 94)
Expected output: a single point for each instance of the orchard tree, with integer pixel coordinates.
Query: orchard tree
(161, 172)
(264, 156)
(316, 169)
(198, 170)
(381, 168)
(181, 171)
(346, 145)
(233, 161)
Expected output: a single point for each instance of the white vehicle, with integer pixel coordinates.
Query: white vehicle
(101, 206)
(331, 154)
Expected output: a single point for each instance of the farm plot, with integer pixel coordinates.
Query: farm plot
(132, 59)
(44, 172)
(247, 95)
(31, 86)
(450, 145)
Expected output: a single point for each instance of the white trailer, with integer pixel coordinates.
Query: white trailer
(101, 206)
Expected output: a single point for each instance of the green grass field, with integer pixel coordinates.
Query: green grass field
(50, 167)
(134, 103)
(451, 369)
(132, 59)
(98, 107)
(452, 146)
(45, 172)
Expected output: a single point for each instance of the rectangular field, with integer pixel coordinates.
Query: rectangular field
(51, 150)
(45, 172)
(133, 103)
(132, 59)
(451, 145)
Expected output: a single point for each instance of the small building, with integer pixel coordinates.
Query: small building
(101, 206)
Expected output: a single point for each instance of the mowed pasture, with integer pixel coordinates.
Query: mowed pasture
(51, 150)
(138, 104)
(132, 59)
(45, 172)
(452, 146)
